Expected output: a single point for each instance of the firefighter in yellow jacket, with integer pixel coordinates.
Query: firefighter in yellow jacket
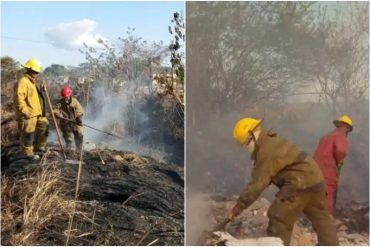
(30, 111)
(70, 113)
(302, 188)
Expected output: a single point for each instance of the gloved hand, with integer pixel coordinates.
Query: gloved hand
(339, 167)
(79, 120)
(237, 209)
(58, 114)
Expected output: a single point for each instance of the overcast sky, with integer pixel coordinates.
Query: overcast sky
(53, 32)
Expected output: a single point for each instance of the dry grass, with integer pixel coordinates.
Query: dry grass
(33, 202)
(9, 127)
(35, 211)
(29, 203)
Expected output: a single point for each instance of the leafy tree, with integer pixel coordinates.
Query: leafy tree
(338, 61)
(242, 53)
(177, 29)
(56, 70)
(132, 61)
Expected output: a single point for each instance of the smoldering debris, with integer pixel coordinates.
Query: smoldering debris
(228, 240)
(199, 216)
(355, 215)
(221, 93)
(130, 197)
(147, 125)
(140, 119)
(128, 200)
(250, 227)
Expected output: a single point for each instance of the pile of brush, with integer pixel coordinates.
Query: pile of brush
(249, 228)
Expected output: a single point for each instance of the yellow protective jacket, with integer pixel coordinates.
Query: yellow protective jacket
(28, 98)
(282, 163)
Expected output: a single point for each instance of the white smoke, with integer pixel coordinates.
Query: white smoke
(120, 114)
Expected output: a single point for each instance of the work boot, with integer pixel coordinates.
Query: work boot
(41, 151)
(69, 146)
(78, 141)
(31, 157)
(78, 148)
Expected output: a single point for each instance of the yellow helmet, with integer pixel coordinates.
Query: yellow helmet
(243, 127)
(33, 64)
(344, 119)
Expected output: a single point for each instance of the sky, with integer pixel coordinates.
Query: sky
(53, 32)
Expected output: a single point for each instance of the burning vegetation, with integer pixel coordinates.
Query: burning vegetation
(126, 188)
(298, 66)
(250, 227)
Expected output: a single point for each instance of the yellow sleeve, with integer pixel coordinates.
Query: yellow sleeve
(21, 92)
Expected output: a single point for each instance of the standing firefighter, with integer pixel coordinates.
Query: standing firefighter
(330, 154)
(70, 112)
(297, 175)
(30, 111)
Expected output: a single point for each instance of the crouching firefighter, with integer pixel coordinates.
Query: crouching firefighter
(30, 111)
(302, 188)
(70, 112)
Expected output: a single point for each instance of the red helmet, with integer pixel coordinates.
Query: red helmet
(66, 92)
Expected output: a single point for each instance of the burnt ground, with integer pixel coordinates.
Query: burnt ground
(352, 223)
(128, 200)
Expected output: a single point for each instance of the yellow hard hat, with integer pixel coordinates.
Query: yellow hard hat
(243, 127)
(33, 64)
(344, 119)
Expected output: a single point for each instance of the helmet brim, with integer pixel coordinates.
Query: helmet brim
(337, 123)
(26, 67)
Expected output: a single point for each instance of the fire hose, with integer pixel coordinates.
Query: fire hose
(88, 126)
